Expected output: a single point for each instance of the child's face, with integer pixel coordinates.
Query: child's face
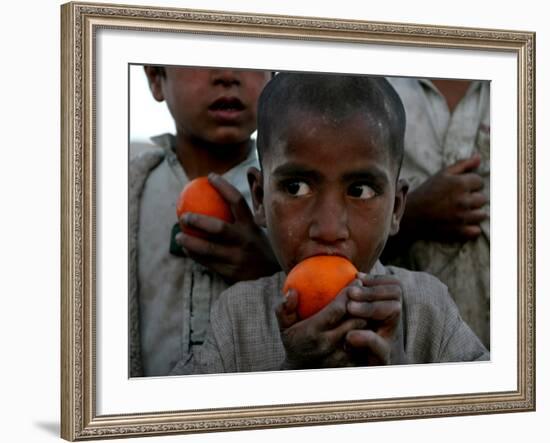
(213, 105)
(328, 188)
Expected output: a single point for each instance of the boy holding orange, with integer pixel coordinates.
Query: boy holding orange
(174, 278)
(330, 150)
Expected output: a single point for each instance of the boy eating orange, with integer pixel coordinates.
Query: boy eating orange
(330, 151)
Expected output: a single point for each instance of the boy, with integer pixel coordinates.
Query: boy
(172, 287)
(445, 229)
(330, 151)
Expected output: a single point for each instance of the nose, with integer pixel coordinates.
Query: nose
(329, 224)
(226, 77)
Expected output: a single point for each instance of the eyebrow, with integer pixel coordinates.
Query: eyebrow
(372, 173)
(295, 170)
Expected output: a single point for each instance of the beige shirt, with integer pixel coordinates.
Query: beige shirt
(434, 139)
(244, 334)
(175, 293)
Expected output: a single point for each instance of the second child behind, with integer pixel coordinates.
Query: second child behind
(174, 279)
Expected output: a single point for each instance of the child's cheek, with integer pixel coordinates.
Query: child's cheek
(287, 227)
(286, 215)
(369, 238)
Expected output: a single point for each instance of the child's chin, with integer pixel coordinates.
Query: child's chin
(230, 136)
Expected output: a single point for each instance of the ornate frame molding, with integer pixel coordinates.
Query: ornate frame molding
(79, 23)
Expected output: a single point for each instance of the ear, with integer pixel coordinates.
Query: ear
(155, 76)
(402, 188)
(256, 184)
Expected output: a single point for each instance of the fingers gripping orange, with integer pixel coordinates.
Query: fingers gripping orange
(318, 280)
(200, 197)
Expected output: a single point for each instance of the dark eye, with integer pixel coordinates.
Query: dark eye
(297, 188)
(361, 191)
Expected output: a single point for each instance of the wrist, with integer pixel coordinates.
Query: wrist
(289, 365)
(286, 366)
(292, 364)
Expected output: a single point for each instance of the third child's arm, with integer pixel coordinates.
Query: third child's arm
(447, 207)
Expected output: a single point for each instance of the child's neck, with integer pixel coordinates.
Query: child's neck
(453, 91)
(198, 159)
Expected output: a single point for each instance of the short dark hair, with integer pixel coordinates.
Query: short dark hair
(335, 95)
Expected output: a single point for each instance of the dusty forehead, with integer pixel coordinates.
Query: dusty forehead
(313, 139)
(365, 119)
(303, 124)
(358, 125)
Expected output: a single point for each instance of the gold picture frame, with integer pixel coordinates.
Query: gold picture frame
(80, 23)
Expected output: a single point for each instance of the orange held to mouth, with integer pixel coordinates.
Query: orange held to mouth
(200, 197)
(318, 280)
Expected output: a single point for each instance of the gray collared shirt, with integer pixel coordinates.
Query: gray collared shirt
(244, 334)
(174, 293)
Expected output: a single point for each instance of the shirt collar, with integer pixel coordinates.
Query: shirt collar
(167, 142)
(378, 269)
(424, 82)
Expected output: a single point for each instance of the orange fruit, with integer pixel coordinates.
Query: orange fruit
(200, 197)
(318, 280)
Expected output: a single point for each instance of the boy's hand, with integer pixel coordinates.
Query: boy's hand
(378, 301)
(448, 206)
(237, 251)
(317, 341)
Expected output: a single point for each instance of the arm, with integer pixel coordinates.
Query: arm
(447, 207)
(139, 170)
(207, 360)
(360, 327)
(211, 356)
(379, 302)
(317, 341)
(237, 251)
(459, 342)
